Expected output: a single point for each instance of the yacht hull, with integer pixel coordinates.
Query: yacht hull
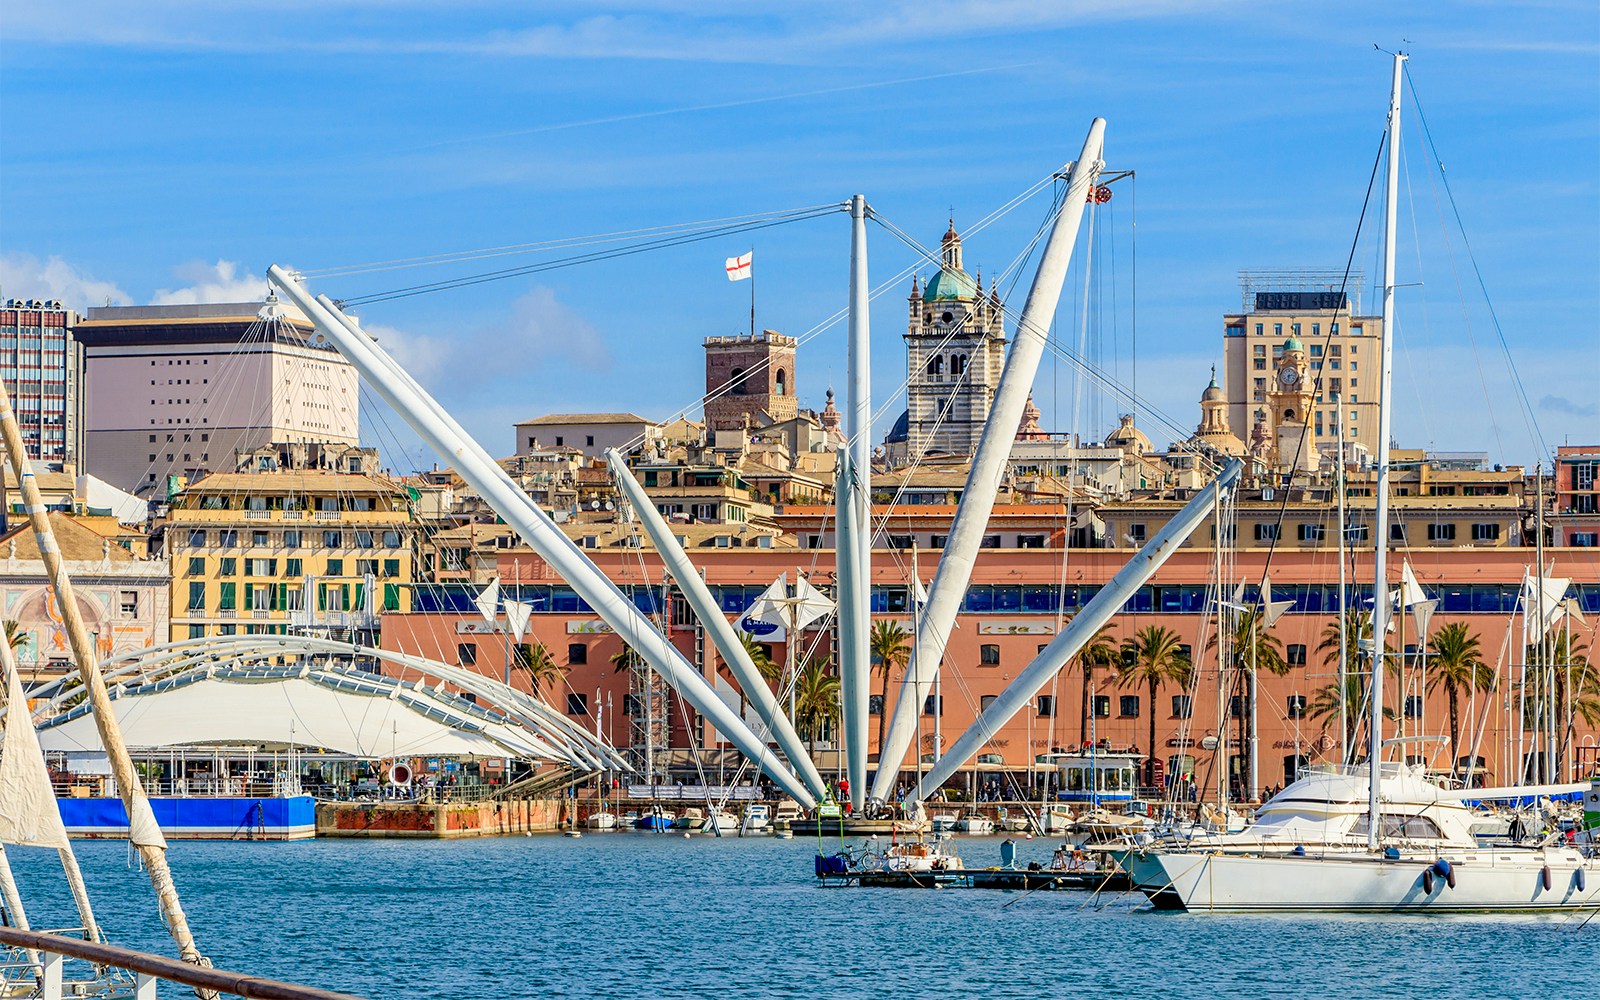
(1485, 880)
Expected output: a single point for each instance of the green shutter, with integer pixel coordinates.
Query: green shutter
(391, 597)
(344, 597)
(361, 593)
(226, 602)
(249, 598)
(197, 596)
(322, 597)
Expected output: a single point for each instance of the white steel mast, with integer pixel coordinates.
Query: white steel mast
(1380, 566)
(534, 526)
(989, 463)
(853, 547)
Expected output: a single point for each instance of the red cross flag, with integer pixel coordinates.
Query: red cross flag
(739, 267)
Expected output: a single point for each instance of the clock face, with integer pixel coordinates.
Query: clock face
(1288, 376)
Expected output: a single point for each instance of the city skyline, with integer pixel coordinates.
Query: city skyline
(342, 136)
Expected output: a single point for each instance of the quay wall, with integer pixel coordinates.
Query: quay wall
(438, 820)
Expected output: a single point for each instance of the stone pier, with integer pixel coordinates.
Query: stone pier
(438, 820)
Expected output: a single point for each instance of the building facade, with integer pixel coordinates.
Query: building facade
(591, 434)
(1577, 497)
(41, 361)
(121, 592)
(274, 552)
(749, 383)
(180, 390)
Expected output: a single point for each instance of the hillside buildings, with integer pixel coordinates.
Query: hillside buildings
(41, 361)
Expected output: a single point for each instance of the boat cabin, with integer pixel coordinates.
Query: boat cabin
(1097, 775)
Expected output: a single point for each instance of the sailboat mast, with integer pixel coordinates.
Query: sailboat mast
(1344, 618)
(1380, 563)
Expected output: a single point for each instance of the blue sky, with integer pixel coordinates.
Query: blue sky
(171, 151)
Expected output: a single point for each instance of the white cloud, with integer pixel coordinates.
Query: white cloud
(25, 276)
(219, 282)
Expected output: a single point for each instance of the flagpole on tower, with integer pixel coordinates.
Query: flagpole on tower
(752, 257)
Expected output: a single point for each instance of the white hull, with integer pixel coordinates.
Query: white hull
(602, 821)
(975, 825)
(1486, 880)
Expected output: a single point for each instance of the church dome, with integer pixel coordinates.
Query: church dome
(901, 429)
(1128, 437)
(1213, 393)
(1292, 344)
(950, 283)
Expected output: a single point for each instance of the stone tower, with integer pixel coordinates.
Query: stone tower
(955, 350)
(749, 381)
(1289, 403)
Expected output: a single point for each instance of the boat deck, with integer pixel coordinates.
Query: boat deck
(1015, 879)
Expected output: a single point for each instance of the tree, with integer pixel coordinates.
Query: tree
(1253, 645)
(15, 636)
(1325, 704)
(891, 649)
(1153, 656)
(1563, 658)
(1099, 653)
(1457, 666)
(534, 659)
(762, 661)
(816, 700)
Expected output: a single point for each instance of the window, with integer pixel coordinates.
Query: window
(197, 566)
(227, 566)
(259, 539)
(875, 704)
(366, 567)
(1030, 541)
(631, 705)
(1046, 705)
(391, 539)
(1413, 706)
(933, 705)
(577, 652)
(227, 597)
(1397, 532)
(293, 567)
(228, 538)
(1485, 532)
(335, 568)
(467, 654)
(577, 701)
(197, 631)
(1102, 706)
(1441, 532)
(261, 567)
(1130, 706)
(1182, 706)
(1311, 532)
(391, 568)
(1295, 654)
(1136, 534)
(363, 539)
(333, 540)
(1237, 706)
(197, 596)
(989, 654)
(985, 701)
(291, 539)
(1296, 706)
(1266, 532)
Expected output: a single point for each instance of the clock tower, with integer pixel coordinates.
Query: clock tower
(1289, 403)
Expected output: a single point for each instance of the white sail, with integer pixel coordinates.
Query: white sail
(517, 613)
(776, 607)
(28, 813)
(488, 600)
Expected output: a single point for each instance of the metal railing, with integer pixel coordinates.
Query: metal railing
(46, 975)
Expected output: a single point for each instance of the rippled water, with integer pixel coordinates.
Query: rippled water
(659, 916)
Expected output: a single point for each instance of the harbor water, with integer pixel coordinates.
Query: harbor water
(655, 915)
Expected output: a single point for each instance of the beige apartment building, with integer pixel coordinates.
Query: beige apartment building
(1340, 357)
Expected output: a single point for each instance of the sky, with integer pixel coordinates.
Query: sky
(171, 151)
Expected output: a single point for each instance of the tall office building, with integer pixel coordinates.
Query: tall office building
(1282, 309)
(42, 364)
(181, 389)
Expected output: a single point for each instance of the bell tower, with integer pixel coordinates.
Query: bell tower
(1289, 402)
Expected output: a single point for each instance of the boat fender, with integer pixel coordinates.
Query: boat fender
(1299, 851)
(1545, 877)
(1578, 876)
(1446, 871)
(1427, 881)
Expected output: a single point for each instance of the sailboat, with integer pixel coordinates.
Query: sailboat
(1419, 853)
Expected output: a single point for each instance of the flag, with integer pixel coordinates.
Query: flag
(739, 267)
(488, 600)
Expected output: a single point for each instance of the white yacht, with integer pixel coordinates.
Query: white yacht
(757, 817)
(975, 823)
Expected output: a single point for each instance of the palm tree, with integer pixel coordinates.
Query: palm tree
(1153, 656)
(1326, 704)
(1100, 652)
(761, 660)
(626, 659)
(534, 659)
(891, 648)
(15, 636)
(1458, 665)
(816, 700)
(1253, 645)
(1576, 689)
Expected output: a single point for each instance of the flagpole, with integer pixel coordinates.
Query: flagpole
(752, 292)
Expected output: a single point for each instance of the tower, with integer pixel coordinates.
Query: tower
(1289, 403)
(955, 350)
(749, 381)
(1214, 430)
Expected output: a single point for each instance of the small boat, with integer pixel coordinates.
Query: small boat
(572, 833)
(757, 817)
(721, 822)
(656, 819)
(1054, 818)
(788, 812)
(1011, 822)
(691, 819)
(601, 821)
(942, 822)
(783, 834)
(975, 823)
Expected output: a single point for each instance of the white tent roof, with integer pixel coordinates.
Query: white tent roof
(282, 711)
